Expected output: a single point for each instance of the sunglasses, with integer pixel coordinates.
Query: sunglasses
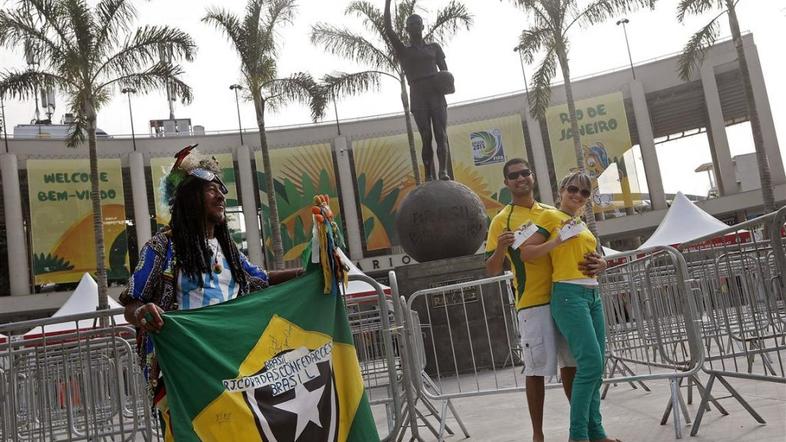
(520, 173)
(584, 192)
(207, 175)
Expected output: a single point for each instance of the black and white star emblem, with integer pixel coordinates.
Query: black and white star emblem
(305, 408)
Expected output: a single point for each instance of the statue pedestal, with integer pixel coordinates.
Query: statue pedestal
(458, 326)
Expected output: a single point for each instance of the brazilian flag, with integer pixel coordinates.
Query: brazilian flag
(276, 365)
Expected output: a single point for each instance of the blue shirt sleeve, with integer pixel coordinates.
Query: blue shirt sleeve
(252, 269)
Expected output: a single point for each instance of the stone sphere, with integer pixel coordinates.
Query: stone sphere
(441, 219)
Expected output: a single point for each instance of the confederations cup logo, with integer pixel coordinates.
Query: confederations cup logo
(487, 147)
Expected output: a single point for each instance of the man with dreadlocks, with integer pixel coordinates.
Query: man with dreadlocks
(191, 263)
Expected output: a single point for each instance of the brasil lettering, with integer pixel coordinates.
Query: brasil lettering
(283, 373)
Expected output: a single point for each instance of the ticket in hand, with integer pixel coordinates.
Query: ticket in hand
(523, 233)
(571, 229)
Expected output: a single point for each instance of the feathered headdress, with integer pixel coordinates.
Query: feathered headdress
(190, 162)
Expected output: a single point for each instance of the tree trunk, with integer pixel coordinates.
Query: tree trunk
(574, 127)
(413, 153)
(95, 200)
(275, 225)
(758, 141)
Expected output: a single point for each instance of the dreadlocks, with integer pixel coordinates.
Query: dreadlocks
(188, 235)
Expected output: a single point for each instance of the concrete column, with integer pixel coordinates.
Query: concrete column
(724, 168)
(647, 144)
(136, 164)
(18, 270)
(246, 179)
(539, 159)
(765, 114)
(350, 216)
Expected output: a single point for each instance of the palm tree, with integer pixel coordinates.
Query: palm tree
(551, 21)
(254, 38)
(376, 53)
(692, 56)
(88, 54)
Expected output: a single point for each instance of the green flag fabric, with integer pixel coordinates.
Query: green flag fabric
(275, 365)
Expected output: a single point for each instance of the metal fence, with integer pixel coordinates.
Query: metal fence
(77, 385)
(738, 276)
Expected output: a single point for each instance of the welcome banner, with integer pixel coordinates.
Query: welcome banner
(605, 137)
(299, 173)
(62, 219)
(478, 152)
(160, 167)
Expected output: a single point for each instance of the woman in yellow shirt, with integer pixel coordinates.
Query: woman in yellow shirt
(575, 301)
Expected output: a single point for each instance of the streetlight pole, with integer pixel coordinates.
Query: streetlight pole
(128, 91)
(523, 73)
(624, 22)
(5, 130)
(237, 87)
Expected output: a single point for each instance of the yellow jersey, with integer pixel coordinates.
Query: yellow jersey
(565, 258)
(531, 280)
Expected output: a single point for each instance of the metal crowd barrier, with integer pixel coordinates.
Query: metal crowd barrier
(376, 335)
(651, 324)
(82, 384)
(463, 338)
(738, 274)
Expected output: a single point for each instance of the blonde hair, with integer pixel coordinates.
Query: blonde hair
(580, 179)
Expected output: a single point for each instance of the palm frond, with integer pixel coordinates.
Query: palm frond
(693, 53)
(600, 11)
(299, 87)
(532, 40)
(346, 44)
(159, 76)
(145, 48)
(538, 16)
(17, 27)
(279, 12)
(112, 16)
(696, 7)
(448, 21)
(540, 94)
(82, 26)
(339, 84)
(228, 24)
(370, 14)
(25, 84)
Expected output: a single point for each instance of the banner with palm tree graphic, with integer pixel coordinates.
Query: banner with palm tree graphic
(383, 178)
(62, 219)
(299, 173)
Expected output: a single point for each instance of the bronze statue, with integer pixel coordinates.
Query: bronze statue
(429, 81)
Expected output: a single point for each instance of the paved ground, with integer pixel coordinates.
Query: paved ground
(631, 415)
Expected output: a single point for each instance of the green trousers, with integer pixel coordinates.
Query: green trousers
(578, 313)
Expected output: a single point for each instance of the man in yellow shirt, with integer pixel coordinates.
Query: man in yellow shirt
(543, 347)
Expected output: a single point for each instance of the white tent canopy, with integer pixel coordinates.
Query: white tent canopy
(356, 289)
(83, 300)
(684, 222)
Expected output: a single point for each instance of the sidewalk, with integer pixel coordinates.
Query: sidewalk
(631, 415)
